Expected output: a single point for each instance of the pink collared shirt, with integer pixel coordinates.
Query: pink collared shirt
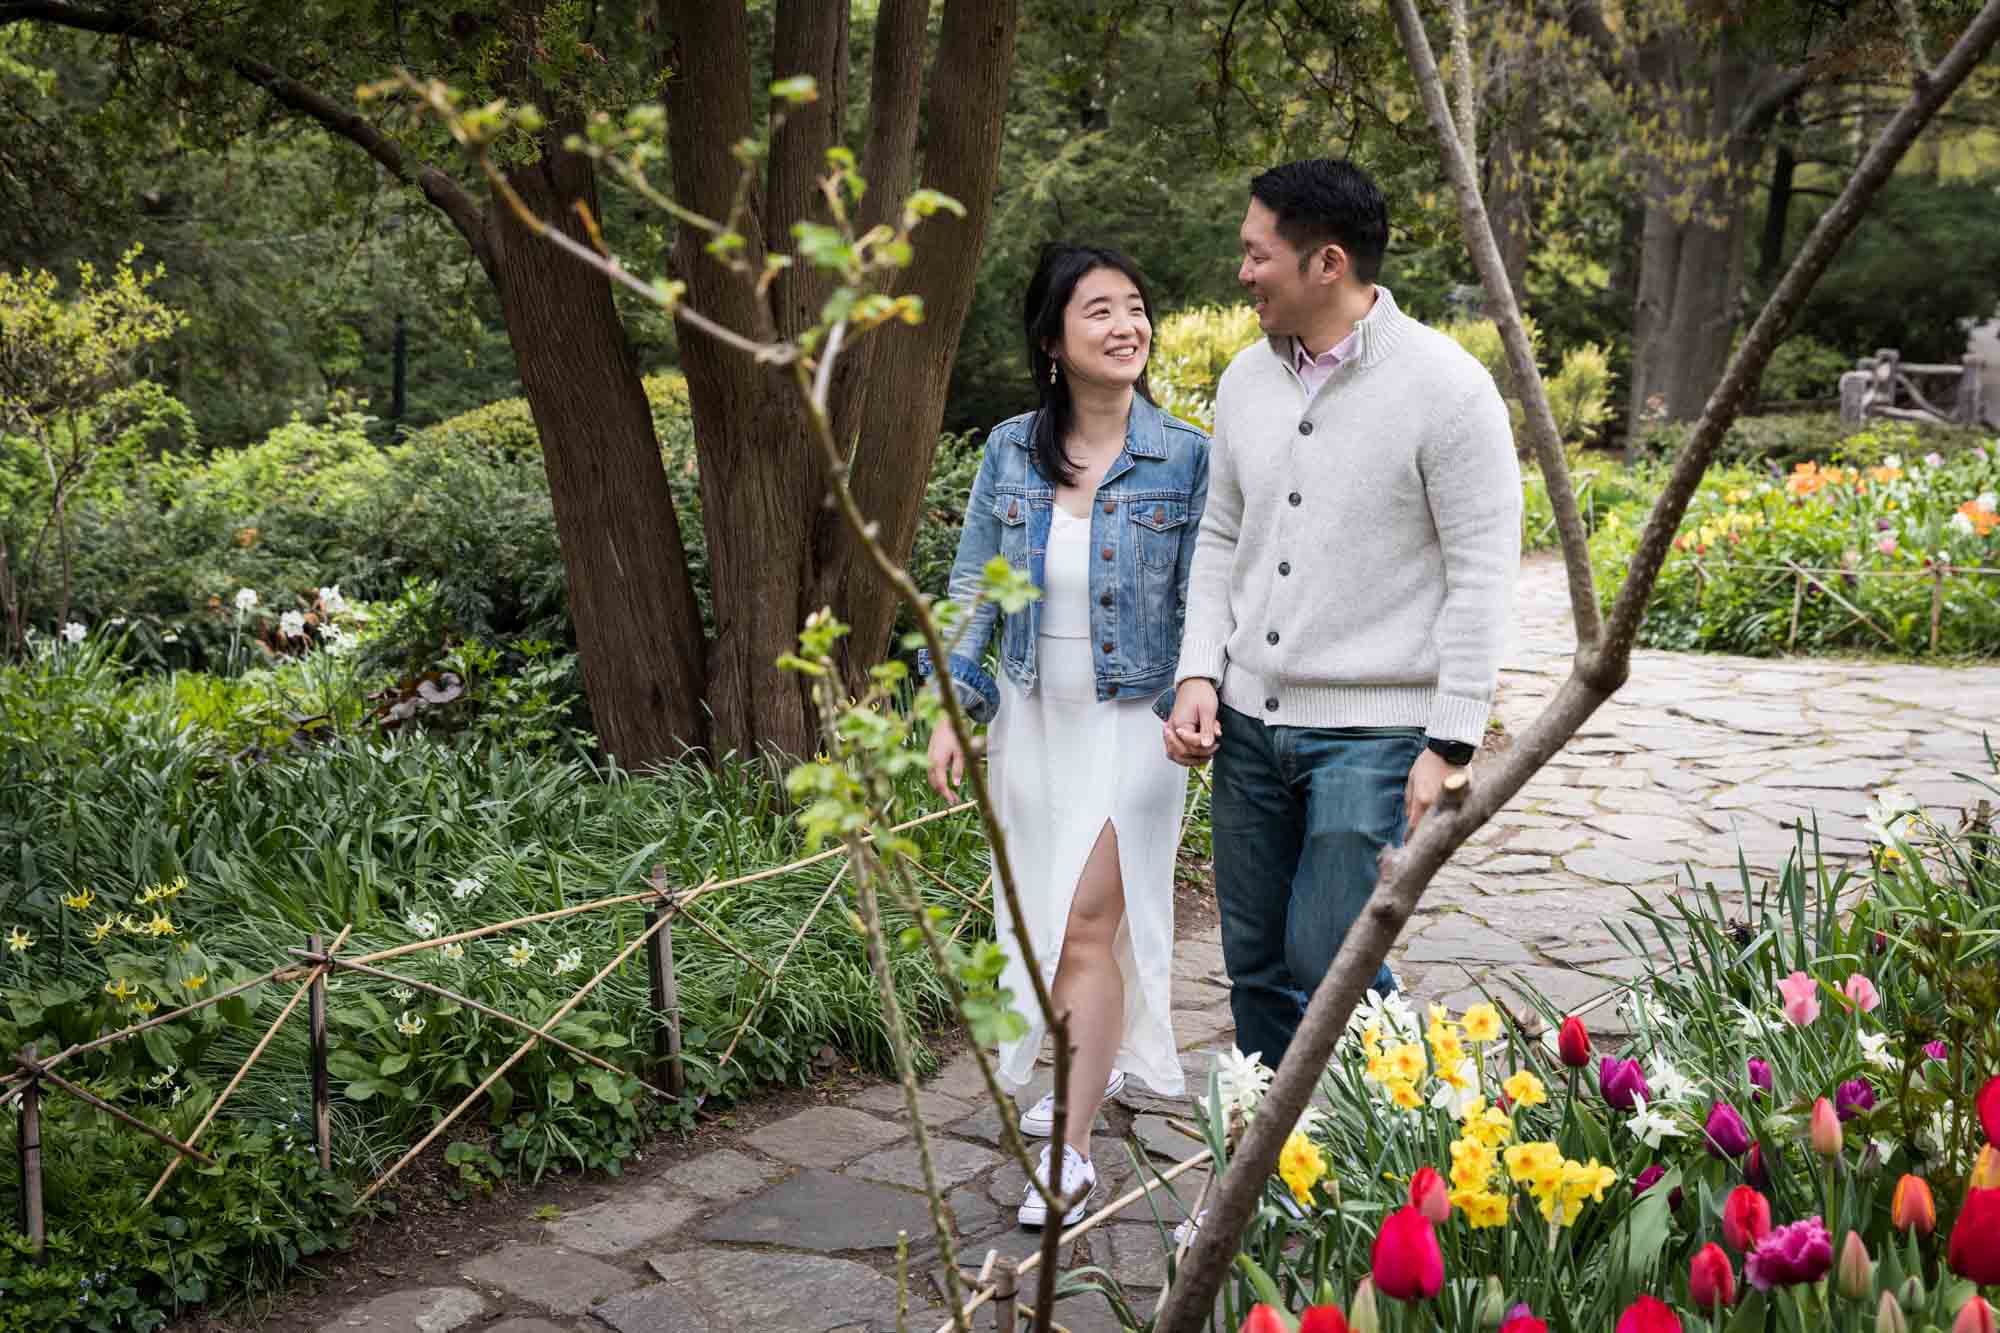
(1313, 370)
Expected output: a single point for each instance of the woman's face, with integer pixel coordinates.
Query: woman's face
(1106, 335)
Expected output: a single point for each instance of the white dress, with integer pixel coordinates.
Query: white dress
(1061, 764)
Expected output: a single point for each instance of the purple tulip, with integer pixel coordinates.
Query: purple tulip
(1790, 1256)
(1853, 1097)
(1650, 1177)
(1727, 1135)
(1760, 1078)
(1621, 1082)
(1754, 1174)
(1937, 1050)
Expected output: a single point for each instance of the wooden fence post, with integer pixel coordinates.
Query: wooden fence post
(1003, 1297)
(666, 994)
(1937, 601)
(30, 1151)
(322, 1111)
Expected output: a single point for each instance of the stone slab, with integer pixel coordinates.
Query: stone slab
(1161, 1139)
(635, 1217)
(1459, 938)
(953, 1162)
(421, 1310)
(737, 1291)
(524, 1326)
(559, 1280)
(825, 1136)
(1135, 1256)
(721, 1176)
(935, 1106)
(819, 1210)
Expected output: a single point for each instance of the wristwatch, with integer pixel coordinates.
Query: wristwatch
(1456, 753)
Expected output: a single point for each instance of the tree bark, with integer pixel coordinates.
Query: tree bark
(1510, 189)
(1778, 206)
(1599, 671)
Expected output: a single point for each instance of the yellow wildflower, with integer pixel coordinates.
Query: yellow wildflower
(1487, 1124)
(120, 990)
(1525, 1089)
(79, 901)
(144, 1007)
(1525, 1160)
(20, 941)
(1404, 1094)
(130, 924)
(1482, 1023)
(1447, 1051)
(1300, 1165)
(99, 929)
(1406, 1062)
(160, 925)
(1378, 1068)
(196, 982)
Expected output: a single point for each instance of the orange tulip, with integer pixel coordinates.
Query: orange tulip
(1913, 1207)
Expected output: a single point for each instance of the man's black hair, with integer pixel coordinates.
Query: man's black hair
(1328, 200)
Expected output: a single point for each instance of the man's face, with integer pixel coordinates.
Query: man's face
(1270, 274)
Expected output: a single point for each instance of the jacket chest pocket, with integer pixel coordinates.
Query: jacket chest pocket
(1157, 528)
(1012, 513)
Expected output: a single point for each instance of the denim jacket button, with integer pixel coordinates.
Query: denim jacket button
(1160, 515)
(1013, 509)
(1106, 553)
(1105, 600)
(1110, 508)
(1107, 647)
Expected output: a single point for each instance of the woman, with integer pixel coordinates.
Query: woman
(1097, 495)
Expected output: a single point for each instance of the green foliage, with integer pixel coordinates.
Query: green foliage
(1804, 368)
(1580, 393)
(1782, 441)
(1191, 349)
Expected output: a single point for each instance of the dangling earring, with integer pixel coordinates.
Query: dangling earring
(1052, 370)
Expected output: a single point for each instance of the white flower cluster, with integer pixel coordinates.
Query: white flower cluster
(1892, 816)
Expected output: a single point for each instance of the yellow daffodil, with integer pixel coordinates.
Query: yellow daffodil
(100, 929)
(1487, 1124)
(1482, 1208)
(1405, 1095)
(1525, 1089)
(79, 901)
(1406, 1062)
(195, 982)
(120, 990)
(1482, 1023)
(1472, 1164)
(1300, 1166)
(1525, 1160)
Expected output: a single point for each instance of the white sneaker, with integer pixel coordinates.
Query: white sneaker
(1076, 1174)
(1039, 1120)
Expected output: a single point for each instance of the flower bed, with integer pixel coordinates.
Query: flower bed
(1799, 1134)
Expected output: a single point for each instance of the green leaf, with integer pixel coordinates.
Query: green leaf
(605, 1085)
(798, 90)
(361, 1089)
(562, 1088)
(395, 1064)
(822, 246)
(348, 1065)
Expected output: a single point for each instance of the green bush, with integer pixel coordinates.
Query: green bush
(1804, 368)
(1778, 443)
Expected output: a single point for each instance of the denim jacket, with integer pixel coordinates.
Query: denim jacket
(1143, 522)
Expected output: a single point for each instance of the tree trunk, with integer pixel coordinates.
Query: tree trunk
(1510, 193)
(638, 626)
(1778, 208)
(775, 553)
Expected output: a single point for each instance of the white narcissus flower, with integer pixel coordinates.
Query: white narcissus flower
(246, 599)
(1452, 1095)
(468, 887)
(73, 632)
(1668, 1083)
(567, 961)
(402, 995)
(1649, 1126)
(1240, 1081)
(292, 624)
(1891, 814)
(331, 601)
(1875, 1050)
(453, 951)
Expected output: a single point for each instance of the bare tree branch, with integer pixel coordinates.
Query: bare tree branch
(1406, 872)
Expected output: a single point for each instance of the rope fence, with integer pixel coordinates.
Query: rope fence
(24, 1086)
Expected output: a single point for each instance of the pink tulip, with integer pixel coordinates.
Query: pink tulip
(1800, 994)
(1861, 993)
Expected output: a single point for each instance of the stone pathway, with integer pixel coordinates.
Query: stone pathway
(794, 1227)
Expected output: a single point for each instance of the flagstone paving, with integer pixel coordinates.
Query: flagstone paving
(1697, 760)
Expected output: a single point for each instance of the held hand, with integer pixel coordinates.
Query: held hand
(1426, 783)
(947, 761)
(1194, 730)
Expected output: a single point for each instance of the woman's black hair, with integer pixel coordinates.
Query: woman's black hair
(1061, 266)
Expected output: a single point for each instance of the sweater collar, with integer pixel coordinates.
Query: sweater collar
(1375, 333)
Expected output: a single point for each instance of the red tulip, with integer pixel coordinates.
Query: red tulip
(1974, 1252)
(1975, 1316)
(1263, 1319)
(1746, 1219)
(1989, 1108)
(1912, 1206)
(1573, 1043)
(1429, 1196)
(1648, 1314)
(1524, 1323)
(1711, 1279)
(1406, 1263)
(1322, 1319)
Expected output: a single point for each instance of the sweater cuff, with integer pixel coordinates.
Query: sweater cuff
(1200, 657)
(1457, 718)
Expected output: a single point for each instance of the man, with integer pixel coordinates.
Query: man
(1350, 591)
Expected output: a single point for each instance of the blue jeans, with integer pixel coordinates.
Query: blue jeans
(1300, 814)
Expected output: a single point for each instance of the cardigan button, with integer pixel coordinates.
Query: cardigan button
(1272, 637)
(1295, 499)
(1305, 428)
(1284, 568)
(1013, 509)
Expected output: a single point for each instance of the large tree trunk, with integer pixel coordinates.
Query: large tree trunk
(1510, 186)
(638, 626)
(775, 554)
